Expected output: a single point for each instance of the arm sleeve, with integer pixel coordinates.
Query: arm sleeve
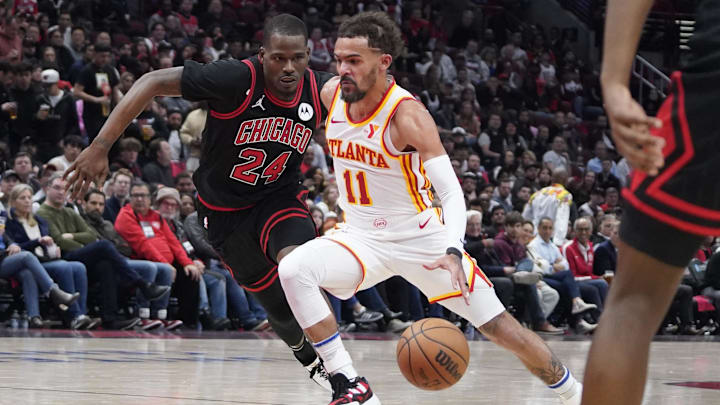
(217, 82)
(441, 175)
(132, 232)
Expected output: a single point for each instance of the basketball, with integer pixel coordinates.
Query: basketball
(433, 354)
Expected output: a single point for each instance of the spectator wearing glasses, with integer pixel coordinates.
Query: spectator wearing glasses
(121, 181)
(579, 254)
(150, 238)
(557, 274)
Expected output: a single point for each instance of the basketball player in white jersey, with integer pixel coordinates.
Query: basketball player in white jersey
(387, 152)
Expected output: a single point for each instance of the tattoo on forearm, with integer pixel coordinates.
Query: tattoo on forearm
(102, 143)
(552, 373)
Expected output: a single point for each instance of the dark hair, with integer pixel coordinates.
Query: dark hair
(74, 140)
(22, 154)
(543, 219)
(381, 32)
(22, 67)
(182, 175)
(99, 48)
(130, 144)
(513, 219)
(496, 208)
(154, 147)
(286, 25)
(93, 191)
(139, 183)
(475, 201)
(78, 27)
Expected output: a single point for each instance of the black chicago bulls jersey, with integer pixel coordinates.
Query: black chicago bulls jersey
(253, 143)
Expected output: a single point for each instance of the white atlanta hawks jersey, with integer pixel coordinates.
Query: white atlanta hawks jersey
(377, 183)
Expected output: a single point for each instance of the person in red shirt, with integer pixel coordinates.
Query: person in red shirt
(150, 238)
(188, 21)
(579, 254)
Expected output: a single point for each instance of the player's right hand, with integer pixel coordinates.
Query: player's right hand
(453, 264)
(630, 130)
(90, 166)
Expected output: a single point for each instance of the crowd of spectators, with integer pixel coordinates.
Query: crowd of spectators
(518, 112)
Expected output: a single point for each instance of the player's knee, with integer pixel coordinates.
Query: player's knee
(293, 269)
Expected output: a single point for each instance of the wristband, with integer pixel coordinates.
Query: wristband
(454, 251)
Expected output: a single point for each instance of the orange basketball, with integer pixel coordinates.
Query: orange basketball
(433, 354)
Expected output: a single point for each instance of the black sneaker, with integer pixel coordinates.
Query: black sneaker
(355, 391)
(152, 291)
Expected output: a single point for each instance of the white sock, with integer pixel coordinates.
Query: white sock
(144, 313)
(567, 386)
(162, 314)
(335, 357)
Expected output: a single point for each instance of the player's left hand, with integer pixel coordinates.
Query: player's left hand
(453, 264)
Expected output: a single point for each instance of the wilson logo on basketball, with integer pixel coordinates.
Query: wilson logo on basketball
(450, 366)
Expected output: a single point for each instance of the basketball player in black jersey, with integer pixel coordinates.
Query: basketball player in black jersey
(673, 199)
(263, 112)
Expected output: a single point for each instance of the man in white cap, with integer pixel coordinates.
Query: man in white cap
(56, 116)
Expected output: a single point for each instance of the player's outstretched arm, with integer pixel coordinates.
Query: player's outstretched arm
(92, 164)
(413, 126)
(628, 120)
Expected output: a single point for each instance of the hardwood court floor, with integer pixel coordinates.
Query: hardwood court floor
(234, 368)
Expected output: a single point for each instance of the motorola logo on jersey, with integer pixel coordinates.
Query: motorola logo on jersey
(274, 129)
(305, 112)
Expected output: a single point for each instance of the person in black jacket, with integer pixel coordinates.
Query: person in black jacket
(55, 118)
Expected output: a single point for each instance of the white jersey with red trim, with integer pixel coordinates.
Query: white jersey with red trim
(378, 184)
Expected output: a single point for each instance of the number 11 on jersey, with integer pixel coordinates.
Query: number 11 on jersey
(362, 186)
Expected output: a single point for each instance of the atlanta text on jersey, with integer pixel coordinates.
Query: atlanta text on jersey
(274, 129)
(358, 153)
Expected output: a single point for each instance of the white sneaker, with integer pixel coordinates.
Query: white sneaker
(580, 306)
(575, 398)
(584, 327)
(398, 326)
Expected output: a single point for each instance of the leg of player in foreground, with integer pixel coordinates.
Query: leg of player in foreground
(322, 263)
(641, 293)
(644, 286)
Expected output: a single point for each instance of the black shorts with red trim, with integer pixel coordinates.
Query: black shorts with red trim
(249, 239)
(668, 215)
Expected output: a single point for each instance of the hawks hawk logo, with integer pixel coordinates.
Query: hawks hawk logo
(305, 112)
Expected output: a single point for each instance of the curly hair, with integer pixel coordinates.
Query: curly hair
(381, 31)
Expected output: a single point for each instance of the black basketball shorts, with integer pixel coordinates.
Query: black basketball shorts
(668, 215)
(249, 239)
